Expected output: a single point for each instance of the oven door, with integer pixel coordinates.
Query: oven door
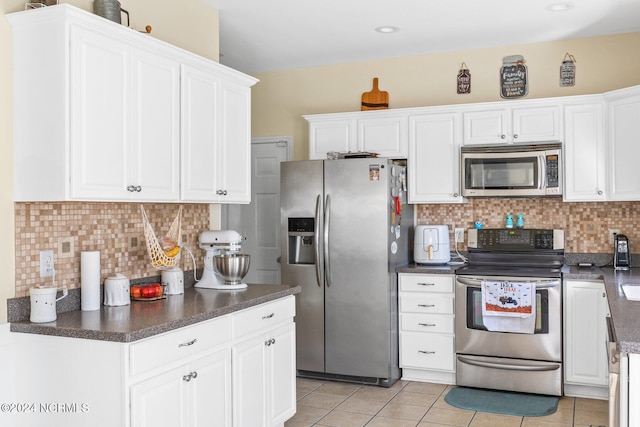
(472, 338)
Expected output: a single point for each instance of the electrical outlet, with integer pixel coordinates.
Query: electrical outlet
(459, 235)
(46, 263)
(612, 235)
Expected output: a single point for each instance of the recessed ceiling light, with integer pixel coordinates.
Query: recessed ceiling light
(559, 7)
(387, 29)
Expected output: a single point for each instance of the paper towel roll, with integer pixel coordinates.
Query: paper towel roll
(90, 280)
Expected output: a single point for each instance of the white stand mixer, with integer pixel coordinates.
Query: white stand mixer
(215, 243)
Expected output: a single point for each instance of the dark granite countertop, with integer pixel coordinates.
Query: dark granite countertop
(142, 319)
(625, 314)
(429, 269)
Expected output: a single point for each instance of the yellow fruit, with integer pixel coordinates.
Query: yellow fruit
(173, 252)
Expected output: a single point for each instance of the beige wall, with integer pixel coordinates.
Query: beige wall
(190, 24)
(281, 98)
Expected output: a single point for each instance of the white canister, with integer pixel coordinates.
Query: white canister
(116, 290)
(43, 303)
(173, 281)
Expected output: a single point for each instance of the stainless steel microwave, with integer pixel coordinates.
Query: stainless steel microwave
(512, 170)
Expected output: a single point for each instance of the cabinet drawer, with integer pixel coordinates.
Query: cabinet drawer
(427, 351)
(426, 283)
(172, 346)
(415, 322)
(425, 303)
(262, 317)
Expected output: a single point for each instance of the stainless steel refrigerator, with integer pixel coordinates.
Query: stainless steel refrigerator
(345, 228)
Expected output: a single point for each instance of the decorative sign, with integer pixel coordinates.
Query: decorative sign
(513, 77)
(568, 71)
(464, 79)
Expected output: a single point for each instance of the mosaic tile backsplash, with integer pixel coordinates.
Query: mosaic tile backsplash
(586, 225)
(114, 229)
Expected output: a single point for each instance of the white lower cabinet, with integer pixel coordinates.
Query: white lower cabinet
(586, 372)
(234, 370)
(427, 335)
(195, 394)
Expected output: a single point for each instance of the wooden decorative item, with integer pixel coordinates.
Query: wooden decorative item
(513, 77)
(464, 80)
(376, 99)
(568, 71)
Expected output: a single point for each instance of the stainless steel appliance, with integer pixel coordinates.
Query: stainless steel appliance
(431, 244)
(345, 228)
(512, 170)
(523, 362)
(622, 254)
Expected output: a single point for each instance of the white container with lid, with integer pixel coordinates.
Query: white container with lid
(116, 290)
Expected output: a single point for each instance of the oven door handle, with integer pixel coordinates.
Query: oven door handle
(507, 366)
(477, 282)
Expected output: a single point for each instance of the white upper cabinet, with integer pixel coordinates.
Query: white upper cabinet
(383, 132)
(499, 123)
(108, 114)
(433, 164)
(584, 151)
(624, 149)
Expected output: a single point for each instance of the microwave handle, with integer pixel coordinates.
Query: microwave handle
(542, 167)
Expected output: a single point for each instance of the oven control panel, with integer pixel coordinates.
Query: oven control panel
(508, 239)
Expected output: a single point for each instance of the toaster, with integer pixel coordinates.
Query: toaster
(431, 244)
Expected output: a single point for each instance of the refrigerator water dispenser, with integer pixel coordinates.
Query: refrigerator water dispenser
(301, 241)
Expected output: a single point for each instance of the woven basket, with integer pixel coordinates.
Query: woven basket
(159, 259)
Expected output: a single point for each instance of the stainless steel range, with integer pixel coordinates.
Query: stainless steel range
(518, 346)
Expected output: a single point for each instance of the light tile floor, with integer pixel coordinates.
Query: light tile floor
(417, 404)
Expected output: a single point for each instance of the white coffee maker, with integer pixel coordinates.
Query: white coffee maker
(217, 242)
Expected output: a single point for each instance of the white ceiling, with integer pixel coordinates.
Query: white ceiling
(270, 35)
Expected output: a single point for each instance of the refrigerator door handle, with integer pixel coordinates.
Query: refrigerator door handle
(327, 266)
(316, 233)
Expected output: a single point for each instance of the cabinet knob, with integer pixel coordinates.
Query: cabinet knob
(186, 378)
(455, 194)
(503, 136)
(515, 136)
(599, 192)
(138, 189)
(131, 188)
(221, 192)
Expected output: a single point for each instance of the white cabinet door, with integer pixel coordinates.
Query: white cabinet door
(536, 124)
(155, 122)
(264, 379)
(200, 93)
(486, 126)
(434, 158)
(624, 150)
(584, 153)
(281, 371)
(159, 401)
(386, 136)
(331, 135)
(100, 109)
(233, 160)
(585, 313)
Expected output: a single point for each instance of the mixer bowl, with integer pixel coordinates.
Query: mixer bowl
(232, 267)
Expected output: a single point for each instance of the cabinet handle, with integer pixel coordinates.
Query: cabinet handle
(221, 192)
(190, 376)
(188, 343)
(426, 284)
(268, 316)
(427, 324)
(426, 305)
(515, 136)
(269, 342)
(426, 352)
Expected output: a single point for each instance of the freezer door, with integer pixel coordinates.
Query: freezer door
(358, 306)
(301, 197)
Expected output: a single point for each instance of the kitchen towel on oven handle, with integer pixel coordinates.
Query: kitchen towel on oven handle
(509, 306)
